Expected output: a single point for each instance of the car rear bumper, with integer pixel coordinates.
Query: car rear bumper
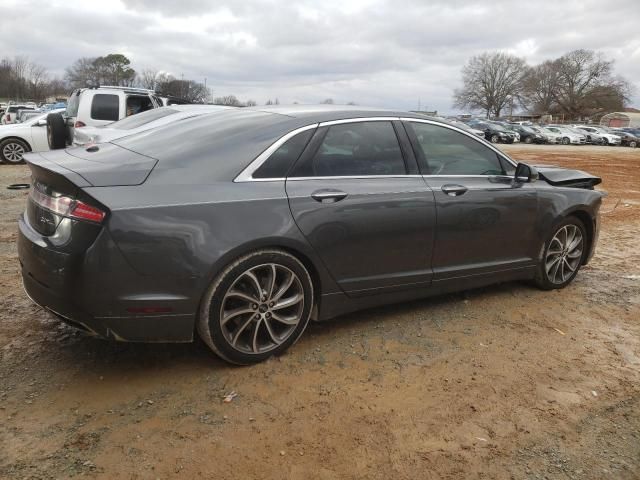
(57, 281)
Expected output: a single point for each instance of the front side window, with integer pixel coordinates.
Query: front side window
(105, 107)
(355, 149)
(444, 151)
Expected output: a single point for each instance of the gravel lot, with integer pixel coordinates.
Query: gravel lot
(505, 382)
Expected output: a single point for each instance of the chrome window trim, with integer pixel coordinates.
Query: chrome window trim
(358, 120)
(468, 134)
(348, 177)
(246, 175)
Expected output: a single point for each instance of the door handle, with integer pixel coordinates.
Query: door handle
(454, 190)
(328, 196)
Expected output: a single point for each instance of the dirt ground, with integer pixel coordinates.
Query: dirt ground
(505, 382)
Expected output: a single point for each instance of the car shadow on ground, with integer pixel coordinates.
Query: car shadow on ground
(66, 345)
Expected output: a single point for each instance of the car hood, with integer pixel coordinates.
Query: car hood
(567, 177)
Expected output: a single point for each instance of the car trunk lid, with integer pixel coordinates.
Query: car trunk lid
(100, 165)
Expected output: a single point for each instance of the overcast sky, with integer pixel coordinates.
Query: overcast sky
(379, 53)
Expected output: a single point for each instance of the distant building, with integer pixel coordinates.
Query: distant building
(621, 119)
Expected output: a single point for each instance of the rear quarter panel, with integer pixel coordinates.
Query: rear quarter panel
(196, 230)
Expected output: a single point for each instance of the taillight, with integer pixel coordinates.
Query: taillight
(67, 206)
(79, 124)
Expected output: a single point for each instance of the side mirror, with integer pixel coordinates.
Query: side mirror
(41, 123)
(525, 173)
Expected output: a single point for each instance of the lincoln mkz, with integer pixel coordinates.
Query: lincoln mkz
(244, 224)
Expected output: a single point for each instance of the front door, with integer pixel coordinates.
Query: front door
(486, 220)
(371, 223)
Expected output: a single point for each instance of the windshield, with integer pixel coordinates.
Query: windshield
(135, 121)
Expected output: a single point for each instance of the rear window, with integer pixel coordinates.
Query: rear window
(143, 118)
(278, 164)
(105, 107)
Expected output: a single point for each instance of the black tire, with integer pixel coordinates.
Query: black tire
(215, 333)
(605, 142)
(528, 140)
(544, 279)
(566, 141)
(56, 131)
(494, 138)
(633, 144)
(12, 149)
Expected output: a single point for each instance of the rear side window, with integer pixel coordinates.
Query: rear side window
(279, 163)
(444, 151)
(355, 149)
(72, 104)
(105, 107)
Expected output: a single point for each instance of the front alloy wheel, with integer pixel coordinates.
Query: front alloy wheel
(495, 138)
(563, 255)
(258, 307)
(12, 150)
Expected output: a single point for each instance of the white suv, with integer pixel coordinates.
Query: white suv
(96, 107)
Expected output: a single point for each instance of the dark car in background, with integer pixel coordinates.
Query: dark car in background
(529, 135)
(493, 132)
(628, 138)
(244, 224)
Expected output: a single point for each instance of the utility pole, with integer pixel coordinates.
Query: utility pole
(205, 89)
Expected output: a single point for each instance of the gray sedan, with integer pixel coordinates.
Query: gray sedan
(242, 225)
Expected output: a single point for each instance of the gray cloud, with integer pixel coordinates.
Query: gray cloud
(383, 53)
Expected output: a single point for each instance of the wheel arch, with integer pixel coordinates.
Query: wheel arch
(15, 137)
(589, 224)
(321, 281)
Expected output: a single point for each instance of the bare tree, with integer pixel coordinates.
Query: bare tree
(228, 100)
(491, 81)
(250, 103)
(580, 72)
(539, 87)
(189, 90)
(327, 101)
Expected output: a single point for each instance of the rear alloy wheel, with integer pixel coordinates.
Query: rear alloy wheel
(566, 141)
(257, 307)
(633, 144)
(12, 150)
(528, 140)
(563, 255)
(495, 138)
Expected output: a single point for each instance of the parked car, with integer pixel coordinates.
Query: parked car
(607, 137)
(494, 132)
(95, 107)
(627, 139)
(243, 224)
(141, 122)
(528, 135)
(509, 127)
(25, 113)
(20, 138)
(464, 126)
(9, 116)
(569, 136)
(593, 137)
(548, 135)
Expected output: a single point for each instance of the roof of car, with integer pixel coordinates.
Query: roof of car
(326, 113)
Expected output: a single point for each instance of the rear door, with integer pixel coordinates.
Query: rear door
(486, 221)
(356, 196)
